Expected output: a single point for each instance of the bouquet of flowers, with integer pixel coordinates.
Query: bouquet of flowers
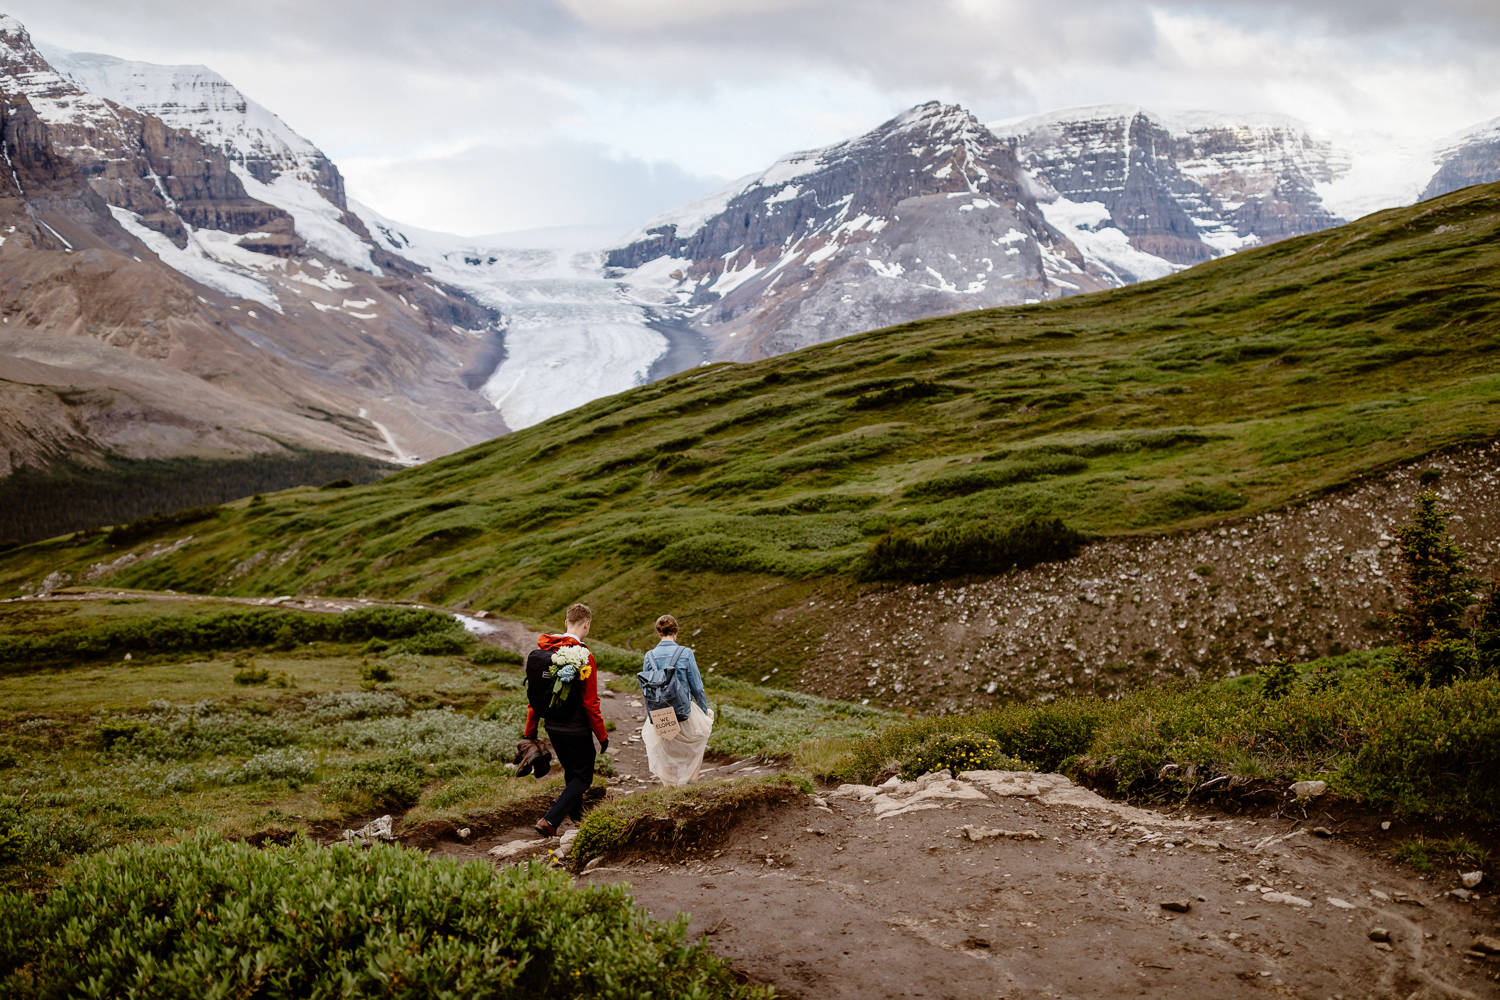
(569, 664)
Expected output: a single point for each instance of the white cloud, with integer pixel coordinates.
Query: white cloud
(402, 94)
(488, 189)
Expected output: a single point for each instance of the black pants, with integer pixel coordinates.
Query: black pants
(575, 752)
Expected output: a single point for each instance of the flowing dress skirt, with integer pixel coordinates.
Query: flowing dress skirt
(676, 761)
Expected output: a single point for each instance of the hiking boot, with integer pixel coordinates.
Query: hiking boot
(545, 829)
(542, 764)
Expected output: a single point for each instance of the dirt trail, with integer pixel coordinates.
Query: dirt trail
(885, 895)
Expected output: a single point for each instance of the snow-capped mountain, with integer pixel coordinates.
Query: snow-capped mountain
(161, 213)
(1184, 188)
(930, 213)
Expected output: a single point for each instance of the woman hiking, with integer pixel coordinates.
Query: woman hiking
(676, 759)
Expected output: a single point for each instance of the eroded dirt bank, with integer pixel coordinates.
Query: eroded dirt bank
(1313, 578)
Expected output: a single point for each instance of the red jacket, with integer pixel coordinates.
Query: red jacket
(590, 690)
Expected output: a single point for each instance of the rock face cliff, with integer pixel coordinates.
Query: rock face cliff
(1471, 157)
(216, 245)
(1184, 188)
(928, 214)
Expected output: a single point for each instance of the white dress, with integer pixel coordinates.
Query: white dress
(676, 761)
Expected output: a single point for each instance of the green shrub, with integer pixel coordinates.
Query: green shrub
(1277, 678)
(342, 706)
(980, 547)
(494, 656)
(1433, 750)
(959, 752)
(210, 917)
(248, 673)
(1487, 630)
(375, 672)
(450, 643)
(598, 833)
(390, 784)
(227, 630)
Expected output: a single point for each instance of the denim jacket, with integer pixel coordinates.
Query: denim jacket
(689, 667)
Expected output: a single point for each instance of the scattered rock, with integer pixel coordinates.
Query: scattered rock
(593, 863)
(1471, 879)
(1462, 895)
(1383, 945)
(1176, 905)
(989, 833)
(1385, 824)
(1342, 904)
(1322, 831)
(1380, 934)
(463, 833)
(1488, 944)
(376, 829)
(1309, 789)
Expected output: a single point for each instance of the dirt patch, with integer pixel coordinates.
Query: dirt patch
(1061, 894)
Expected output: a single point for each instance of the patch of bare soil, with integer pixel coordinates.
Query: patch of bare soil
(1006, 885)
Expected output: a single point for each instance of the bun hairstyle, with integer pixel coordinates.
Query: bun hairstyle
(666, 625)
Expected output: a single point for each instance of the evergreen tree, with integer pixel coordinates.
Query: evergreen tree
(1433, 647)
(1487, 630)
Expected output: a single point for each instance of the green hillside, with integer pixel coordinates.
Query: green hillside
(1230, 388)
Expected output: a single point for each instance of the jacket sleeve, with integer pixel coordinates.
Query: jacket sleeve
(695, 683)
(591, 702)
(529, 732)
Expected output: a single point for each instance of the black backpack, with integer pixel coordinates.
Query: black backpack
(539, 682)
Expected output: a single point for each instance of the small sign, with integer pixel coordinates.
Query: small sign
(665, 721)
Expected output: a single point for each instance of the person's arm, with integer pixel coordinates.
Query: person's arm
(529, 733)
(695, 682)
(591, 704)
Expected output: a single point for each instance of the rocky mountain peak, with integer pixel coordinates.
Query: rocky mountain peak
(928, 212)
(199, 100)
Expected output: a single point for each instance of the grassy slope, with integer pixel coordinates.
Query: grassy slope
(1235, 386)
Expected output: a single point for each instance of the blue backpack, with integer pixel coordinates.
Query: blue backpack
(664, 687)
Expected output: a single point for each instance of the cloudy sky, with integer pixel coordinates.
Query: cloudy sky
(476, 117)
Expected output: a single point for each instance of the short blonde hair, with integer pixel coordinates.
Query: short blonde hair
(578, 614)
(666, 625)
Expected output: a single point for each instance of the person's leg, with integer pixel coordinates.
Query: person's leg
(575, 752)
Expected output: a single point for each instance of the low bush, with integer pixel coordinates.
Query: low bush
(494, 656)
(977, 547)
(342, 706)
(958, 752)
(210, 917)
(389, 784)
(228, 630)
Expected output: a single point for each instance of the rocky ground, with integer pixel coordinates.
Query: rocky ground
(1314, 578)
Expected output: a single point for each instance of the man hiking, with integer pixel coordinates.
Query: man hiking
(562, 689)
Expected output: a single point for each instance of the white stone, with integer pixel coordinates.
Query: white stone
(1309, 789)
(1284, 897)
(521, 850)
